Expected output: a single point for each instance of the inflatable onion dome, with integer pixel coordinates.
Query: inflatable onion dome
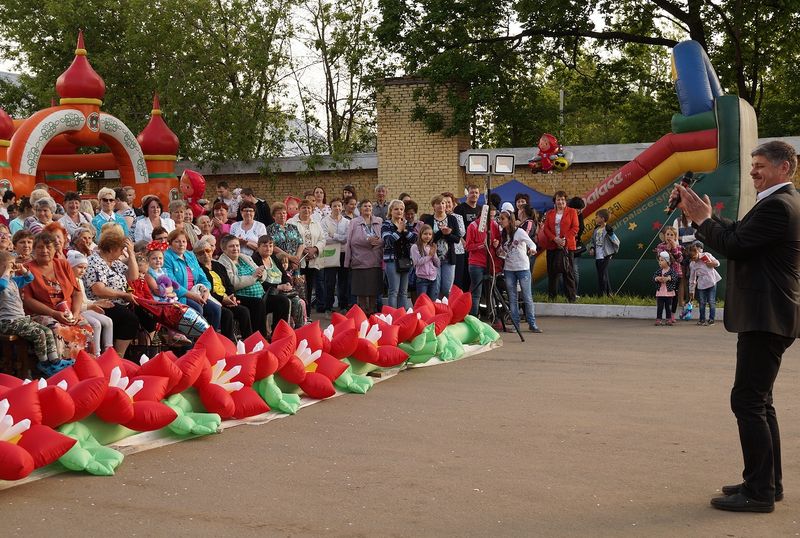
(80, 81)
(156, 138)
(6, 126)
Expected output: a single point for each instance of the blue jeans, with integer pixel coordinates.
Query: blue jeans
(476, 285)
(427, 287)
(524, 279)
(211, 311)
(708, 297)
(447, 274)
(398, 286)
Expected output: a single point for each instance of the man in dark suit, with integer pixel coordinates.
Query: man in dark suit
(762, 305)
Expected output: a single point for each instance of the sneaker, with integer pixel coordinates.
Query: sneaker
(711, 322)
(534, 329)
(670, 322)
(50, 368)
(658, 323)
(701, 323)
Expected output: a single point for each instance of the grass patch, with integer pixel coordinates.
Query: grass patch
(621, 300)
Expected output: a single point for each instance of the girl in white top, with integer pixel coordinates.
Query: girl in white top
(334, 227)
(248, 230)
(515, 246)
(92, 311)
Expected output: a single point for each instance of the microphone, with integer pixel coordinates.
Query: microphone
(686, 181)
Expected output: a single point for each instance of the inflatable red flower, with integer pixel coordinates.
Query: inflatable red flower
(25, 444)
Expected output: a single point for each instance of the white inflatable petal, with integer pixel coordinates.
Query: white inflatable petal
(42, 383)
(116, 374)
(217, 369)
(4, 405)
(17, 429)
(258, 347)
(232, 387)
(135, 387)
(143, 359)
(240, 350)
(26, 381)
(229, 374)
(63, 384)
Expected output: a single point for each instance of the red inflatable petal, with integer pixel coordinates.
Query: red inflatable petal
(116, 408)
(441, 321)
(337, 318)
(342, 324)
(394, 312)
(110, 359)
(266, 364)
(216, 347)
(344, 343)
(57, 406)
(390, 356)
(15, 462)
(85, 366)
(357, 315)
(255, 338)
(45, 445)
(422, 301)
(248, 403)
(460, 307)
(87, 395)
(366, 351)
(283, 349)
(154, 390)
(282, 330)
(294, 371)
(312, 334)
(406, 328)
(330, 366)
(248, 364)
(24, 403)
(317, 386)
(388, 336)
(442, 309)
(70, 375)
(149, 416)
(191, 364)
(217, 400)
(9, 381)
(163, 365)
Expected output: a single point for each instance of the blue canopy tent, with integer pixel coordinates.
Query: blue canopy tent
(540, 202)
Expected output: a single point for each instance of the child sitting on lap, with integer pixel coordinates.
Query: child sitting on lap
(13, 320)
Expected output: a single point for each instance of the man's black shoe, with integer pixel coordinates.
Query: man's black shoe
(740, 503)
(733, 490)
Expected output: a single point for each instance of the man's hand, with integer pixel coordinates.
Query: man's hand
(697, 209)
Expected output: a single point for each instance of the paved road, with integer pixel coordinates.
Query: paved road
(594, 428)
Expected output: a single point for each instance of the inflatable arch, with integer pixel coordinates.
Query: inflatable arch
(712, 137)
(43, 148)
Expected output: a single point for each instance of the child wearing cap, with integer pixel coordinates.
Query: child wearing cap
(92, 311)
(703, 279)
(666, 282)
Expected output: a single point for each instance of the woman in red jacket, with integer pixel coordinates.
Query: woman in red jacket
(560, 229)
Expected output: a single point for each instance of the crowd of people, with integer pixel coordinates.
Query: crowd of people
(82, 269)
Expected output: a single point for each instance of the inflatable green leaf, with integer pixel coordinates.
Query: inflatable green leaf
(352, 382)
(276, 399)
(188, 422)
(88, 454)
(421, 348)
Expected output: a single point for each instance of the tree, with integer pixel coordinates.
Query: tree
(339, 35)
(218, 65)
(471, 42)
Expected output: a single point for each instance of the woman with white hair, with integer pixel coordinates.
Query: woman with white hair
(43, 211)
(108, 201)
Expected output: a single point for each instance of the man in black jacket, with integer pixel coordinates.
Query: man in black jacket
(762, 305)
(263, 214)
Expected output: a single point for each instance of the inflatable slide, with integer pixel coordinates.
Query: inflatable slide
(711, 137)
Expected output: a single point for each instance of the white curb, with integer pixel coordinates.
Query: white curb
(604, 311)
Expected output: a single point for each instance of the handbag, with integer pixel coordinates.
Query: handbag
(563, 263)
(329, 257)
(403, 264)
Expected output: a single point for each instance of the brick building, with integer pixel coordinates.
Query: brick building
(409, 159)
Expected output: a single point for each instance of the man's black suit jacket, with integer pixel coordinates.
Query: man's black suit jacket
(763, 252)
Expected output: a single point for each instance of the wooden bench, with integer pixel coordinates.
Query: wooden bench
(15, 358)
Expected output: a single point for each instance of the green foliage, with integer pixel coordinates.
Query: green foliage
(611, 57)
(216, 65)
